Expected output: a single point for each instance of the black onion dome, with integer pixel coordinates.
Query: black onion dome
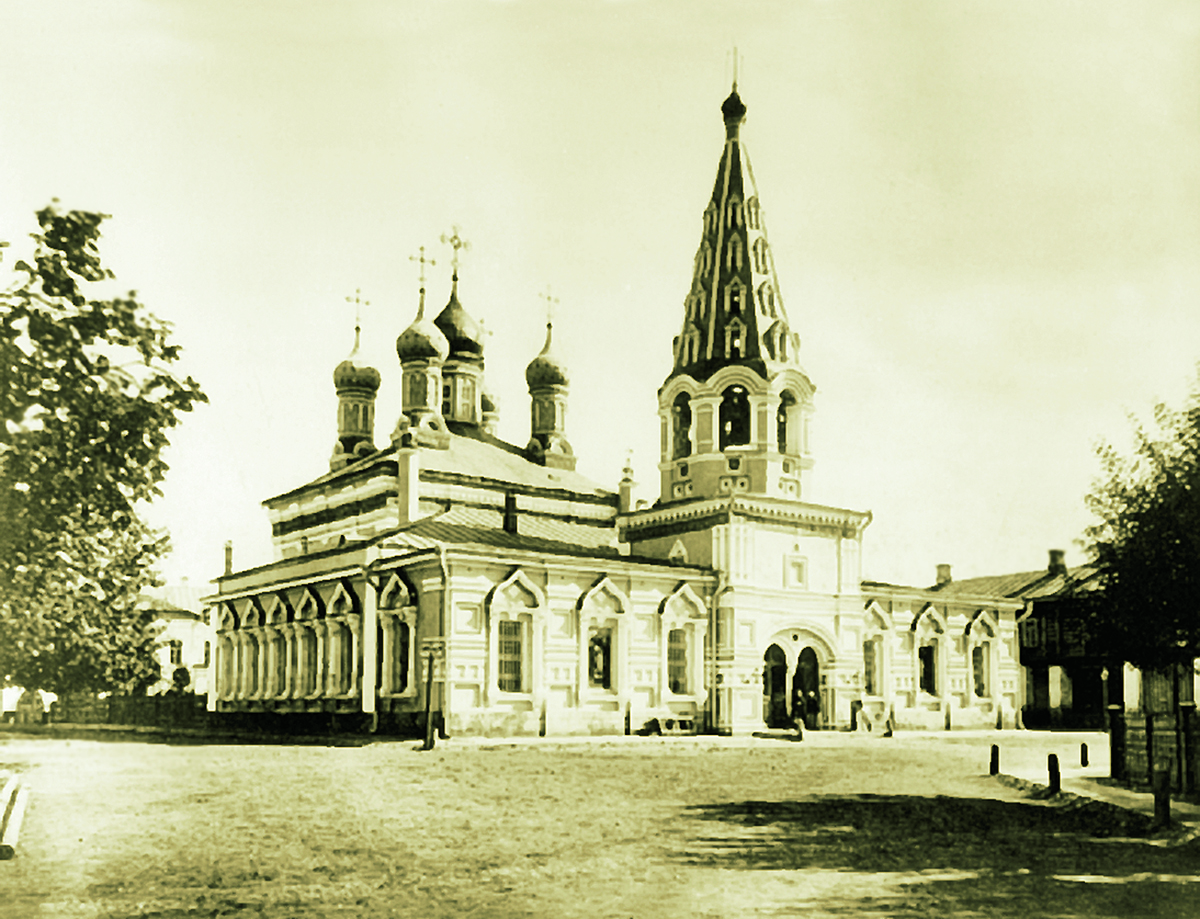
(422, 340)
(547, 369)
(352, 373)
(463, 333)
(733, 108)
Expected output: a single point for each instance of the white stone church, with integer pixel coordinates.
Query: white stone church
(495, 588)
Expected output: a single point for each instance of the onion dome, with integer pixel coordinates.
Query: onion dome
(422, 341)
(353, 374)
(547, 369)
(734, 112)
(463, 333)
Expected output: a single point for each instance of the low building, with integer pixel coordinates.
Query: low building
(186, 638)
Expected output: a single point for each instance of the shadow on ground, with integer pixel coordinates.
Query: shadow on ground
(1068, 857)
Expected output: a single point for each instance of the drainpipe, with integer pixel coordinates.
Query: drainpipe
(370, 636)
(445, 640)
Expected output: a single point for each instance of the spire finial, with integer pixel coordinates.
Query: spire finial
(359, 303)
(735, 68)
(455, 242)
(424, 261)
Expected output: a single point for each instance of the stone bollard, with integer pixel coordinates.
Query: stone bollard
(1160, 785)
(994, 767)
(1055, 777)
(1083, 758)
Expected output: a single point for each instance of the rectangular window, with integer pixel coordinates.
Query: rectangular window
(207, 654)
(927, 658)
(600, 658)
(677, 661)
(400, 659)
(870, 668)
(510, 656)
(979, 656)
(176, 652)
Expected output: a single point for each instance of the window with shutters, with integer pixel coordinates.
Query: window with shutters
(510, 655)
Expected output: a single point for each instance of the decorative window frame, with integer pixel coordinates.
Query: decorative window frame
(503, 603)
(790, 563)
(396, 607)
(877, 626)
(982, 631)
(929, 625)
(591, 611)
(684, 609)
(753, 214)
(758, 255)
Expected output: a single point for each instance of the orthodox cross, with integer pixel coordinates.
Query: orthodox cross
(456, 242)
(551, 303)
(424, 261)
(359, 303)
(735, 68)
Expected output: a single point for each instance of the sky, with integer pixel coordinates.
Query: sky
(985, 217)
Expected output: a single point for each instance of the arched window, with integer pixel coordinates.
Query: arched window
(733, 299)
(734, 417)
(733, 212)
(710, 218)
(786, 402)
(766, 298)
(681, 417)
(759, 252)
(735, 340)
(733, 259)
(752, 215)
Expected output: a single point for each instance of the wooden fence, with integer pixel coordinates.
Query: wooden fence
(1143, 743)
(166, 711)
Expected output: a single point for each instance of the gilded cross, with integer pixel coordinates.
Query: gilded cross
(456, 242)
(424, 261)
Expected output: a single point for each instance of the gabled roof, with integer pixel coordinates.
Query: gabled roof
(1027, 585)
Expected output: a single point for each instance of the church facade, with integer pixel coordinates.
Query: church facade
(454, 576)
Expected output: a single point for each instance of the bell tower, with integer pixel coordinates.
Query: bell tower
(734, 410)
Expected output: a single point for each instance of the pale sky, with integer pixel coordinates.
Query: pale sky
(985, 218)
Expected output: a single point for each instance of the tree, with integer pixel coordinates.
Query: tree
(1146, 545)
(87, 397)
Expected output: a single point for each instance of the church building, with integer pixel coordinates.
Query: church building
(489, 586)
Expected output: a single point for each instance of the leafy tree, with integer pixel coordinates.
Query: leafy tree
(87, 397)
(1146, 544)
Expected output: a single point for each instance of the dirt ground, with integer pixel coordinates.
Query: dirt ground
(839, 825)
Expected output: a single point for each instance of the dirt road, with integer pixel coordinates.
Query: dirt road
(836, 825)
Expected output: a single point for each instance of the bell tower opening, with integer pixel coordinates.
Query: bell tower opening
(681, 415)
(734, 417)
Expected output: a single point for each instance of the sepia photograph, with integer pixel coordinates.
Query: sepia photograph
(599, 458)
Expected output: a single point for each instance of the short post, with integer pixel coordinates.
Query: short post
(994, 768)
(1083, 757)
(429, 706)
(1160, 784)
(1055, 777)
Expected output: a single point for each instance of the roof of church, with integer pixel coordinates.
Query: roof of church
(484, 527)
(471, 453)
(1026, 585)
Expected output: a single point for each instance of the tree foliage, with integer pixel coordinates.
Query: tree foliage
(1146, 544)
(87, 396)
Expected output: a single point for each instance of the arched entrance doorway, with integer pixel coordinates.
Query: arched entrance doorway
(775, 688)
(806, 689)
